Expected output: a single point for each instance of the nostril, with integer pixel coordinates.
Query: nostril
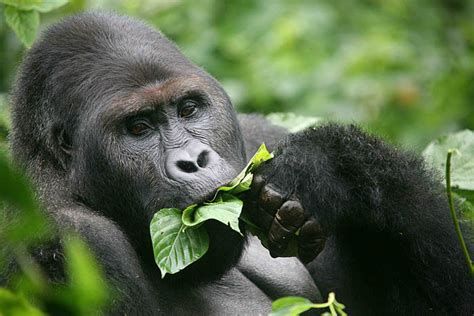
(203, 159)
(187, 166)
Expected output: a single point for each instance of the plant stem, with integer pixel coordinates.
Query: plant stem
(334, 306)
(453, 212)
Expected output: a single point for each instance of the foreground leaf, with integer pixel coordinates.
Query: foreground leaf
(87, 291)
(27, 225)
(176, 246)
(295, 305)
(290, 305)
(14, 305)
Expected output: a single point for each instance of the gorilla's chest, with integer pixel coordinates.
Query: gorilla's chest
(247, 289)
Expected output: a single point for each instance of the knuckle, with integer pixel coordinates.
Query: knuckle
(257, 184)
(309, 251)
(278, 232)
(270, 200)
(291, 215)
(311, 230)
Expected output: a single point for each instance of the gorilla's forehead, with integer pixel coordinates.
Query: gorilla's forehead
(110, 51)
(119, 60)
(94, 33)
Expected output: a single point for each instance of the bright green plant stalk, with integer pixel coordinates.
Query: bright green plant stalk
(453, 212)
(334, 306)
(296, 305)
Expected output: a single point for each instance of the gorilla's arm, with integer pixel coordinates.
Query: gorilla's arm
(391, 246)
(129, 288)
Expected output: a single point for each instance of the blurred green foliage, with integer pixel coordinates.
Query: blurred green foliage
(23, 227)
(403, 68)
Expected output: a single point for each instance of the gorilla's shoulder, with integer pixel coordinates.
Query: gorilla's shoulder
(256, 129)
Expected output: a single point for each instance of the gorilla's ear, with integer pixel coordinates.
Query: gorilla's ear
(62, 146)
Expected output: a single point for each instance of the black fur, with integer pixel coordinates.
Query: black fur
(392, 246)
(89, 78)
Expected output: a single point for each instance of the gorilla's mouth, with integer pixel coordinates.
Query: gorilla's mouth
(225, 245)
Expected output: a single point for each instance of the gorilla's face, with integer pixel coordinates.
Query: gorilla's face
(125, 126)
(167, 144)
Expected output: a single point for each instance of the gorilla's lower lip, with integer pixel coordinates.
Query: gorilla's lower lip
(211, 194)
(207, 197)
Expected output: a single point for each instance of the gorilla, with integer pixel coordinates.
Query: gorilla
(112, 123)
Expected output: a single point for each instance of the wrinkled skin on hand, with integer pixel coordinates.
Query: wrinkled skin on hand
(282, 217)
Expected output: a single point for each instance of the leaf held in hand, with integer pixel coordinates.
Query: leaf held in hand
(178, 237)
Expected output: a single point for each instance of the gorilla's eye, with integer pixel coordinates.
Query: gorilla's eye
(188, 108)
(138, 128)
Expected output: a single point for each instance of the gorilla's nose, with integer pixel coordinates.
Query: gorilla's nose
(189, 161)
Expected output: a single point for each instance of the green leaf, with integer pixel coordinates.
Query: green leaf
(5, 120)
(28, 224)
(177, 236)
(462, 161)
(292, 122)
(14, 187)
(49, 5)
(290, 305)
(295, 305)
(15, 305)
(226, 209)
(176, 246)
(24, 23)
(38, 5)
(465, 208)
(22, 4)
(87, 290)
(244, 179)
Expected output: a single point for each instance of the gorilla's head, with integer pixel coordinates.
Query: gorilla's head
(108, 114)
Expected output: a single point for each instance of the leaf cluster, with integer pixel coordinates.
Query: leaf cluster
(178, 237)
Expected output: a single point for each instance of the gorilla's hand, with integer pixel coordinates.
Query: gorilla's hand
(282, 217)
(384, 211)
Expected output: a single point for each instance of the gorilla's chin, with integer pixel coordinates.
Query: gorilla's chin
(225, 249)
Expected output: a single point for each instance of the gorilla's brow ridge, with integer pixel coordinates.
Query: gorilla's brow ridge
(152, 97)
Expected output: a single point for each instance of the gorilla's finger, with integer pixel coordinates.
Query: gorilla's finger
(278, 238)
(257, 184)
(291, 215)
(311, 230)
(309, 251)
(270, 200)
(264, 220)
(258, 216)
(311, 240)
